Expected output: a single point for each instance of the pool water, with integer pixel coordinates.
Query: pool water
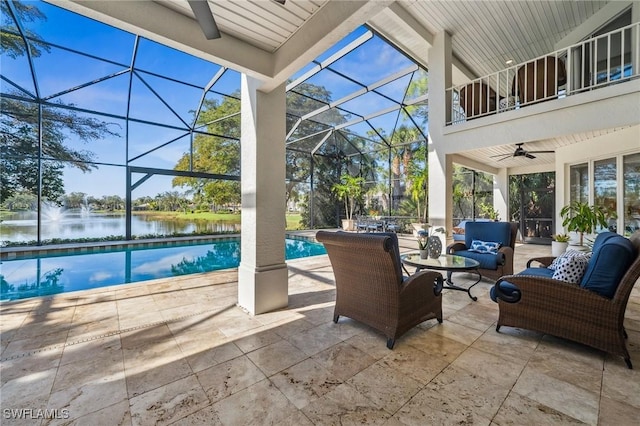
(24, 278)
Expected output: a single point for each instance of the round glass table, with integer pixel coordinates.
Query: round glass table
(446, 262)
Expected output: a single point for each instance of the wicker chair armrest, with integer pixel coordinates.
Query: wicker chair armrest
(545, 261)
(423, 284)
(547, 293)
(452, 248)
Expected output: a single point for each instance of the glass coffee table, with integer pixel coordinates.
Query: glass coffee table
(446, 262)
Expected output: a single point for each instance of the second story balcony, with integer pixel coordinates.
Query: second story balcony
(602, 61)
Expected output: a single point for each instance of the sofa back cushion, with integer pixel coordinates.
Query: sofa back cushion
(609, 262)
(499, 232)
(601, 238)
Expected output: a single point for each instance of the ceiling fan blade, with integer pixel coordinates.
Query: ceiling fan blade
(529, 156)
(205, 18)
(541, 152)
(280, 1)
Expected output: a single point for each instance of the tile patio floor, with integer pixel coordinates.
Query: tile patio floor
(178, 351)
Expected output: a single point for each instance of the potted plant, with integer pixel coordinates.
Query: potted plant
(583, 218)
(559, 244)
(349, 189)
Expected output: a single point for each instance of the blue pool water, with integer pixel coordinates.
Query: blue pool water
(23, 278)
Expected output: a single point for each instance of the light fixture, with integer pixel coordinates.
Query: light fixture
(509, 61)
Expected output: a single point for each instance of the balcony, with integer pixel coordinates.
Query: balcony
(599, 62)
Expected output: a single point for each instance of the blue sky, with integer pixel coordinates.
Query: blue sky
(61, 70)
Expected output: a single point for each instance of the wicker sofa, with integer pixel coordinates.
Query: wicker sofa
(371, 288)
(591, 312)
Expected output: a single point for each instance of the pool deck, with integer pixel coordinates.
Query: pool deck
(179, 351)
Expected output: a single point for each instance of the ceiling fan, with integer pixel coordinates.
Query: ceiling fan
(205, 18)
(521, 152)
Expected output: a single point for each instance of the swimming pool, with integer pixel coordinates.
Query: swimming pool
(47, 275)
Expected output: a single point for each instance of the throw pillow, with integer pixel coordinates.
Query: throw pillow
(459, 231)
(479, 246)
(569, 254)
(571, 269)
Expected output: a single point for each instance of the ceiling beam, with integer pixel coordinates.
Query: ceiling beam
(334, 21)
(164, 25)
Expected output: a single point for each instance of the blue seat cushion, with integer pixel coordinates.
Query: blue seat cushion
(487, 260)
(608, 264)
(538, 272)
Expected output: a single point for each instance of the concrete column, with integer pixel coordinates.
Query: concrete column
(501, 193)
(262, 274)
(440, 165)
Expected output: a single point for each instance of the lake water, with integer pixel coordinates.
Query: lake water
(76, 223)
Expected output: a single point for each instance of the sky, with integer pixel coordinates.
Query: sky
(61, 70)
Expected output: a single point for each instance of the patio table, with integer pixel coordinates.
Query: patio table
(446, 262)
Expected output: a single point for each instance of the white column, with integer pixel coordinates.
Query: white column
(440, 165)
(501, 193)
(262, 274)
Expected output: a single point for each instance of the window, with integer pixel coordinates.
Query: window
(631, 178)
(579, 183)
(605, 186)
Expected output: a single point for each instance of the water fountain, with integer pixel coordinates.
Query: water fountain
(85, 210)
(52, 212)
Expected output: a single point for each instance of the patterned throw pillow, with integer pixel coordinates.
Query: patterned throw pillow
(571, 269)
(479, 246)
(569, 254)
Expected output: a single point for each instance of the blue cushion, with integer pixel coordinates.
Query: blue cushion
(608, 264)
(538, 272)
(499, 232)
(601, 238)
(487, 260)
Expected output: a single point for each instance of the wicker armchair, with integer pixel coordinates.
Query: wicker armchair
(370, 287)
(503, 232)
(568, 310)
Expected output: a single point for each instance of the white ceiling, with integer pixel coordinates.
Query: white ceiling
(273, 41)
(265, 24)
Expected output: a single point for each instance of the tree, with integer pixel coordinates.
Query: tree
(304, 99)
(11, 42)
(19, 129)
(19, 124)
(349, 189)
(215, 154)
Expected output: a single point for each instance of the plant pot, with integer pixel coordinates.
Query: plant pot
(557, 248)
(424, 254)
(348, 224)
(434, 246)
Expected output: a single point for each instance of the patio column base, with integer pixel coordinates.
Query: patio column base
(263, 289)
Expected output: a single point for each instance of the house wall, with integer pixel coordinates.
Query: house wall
(616, 144)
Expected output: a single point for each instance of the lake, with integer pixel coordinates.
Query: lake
(77, 223)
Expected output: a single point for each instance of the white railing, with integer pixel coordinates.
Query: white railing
(597, 62)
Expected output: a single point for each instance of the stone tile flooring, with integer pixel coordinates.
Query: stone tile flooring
(178, 351)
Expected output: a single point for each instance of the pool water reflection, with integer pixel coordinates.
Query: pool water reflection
(43, 276)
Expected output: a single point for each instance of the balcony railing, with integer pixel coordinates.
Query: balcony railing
(600, 61)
